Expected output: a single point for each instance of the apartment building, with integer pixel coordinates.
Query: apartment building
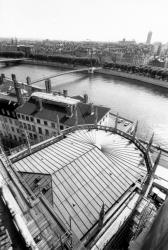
(46, 114)
(9, 124)
(43, 114)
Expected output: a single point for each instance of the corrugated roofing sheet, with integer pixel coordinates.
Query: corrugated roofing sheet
(88, 168)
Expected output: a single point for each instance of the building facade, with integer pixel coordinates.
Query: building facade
(46, 114)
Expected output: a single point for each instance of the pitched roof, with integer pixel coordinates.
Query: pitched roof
(88, 168)
(52, 109)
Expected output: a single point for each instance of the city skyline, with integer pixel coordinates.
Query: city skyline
(80, 20)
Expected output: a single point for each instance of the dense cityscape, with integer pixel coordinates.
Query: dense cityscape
(74, 173)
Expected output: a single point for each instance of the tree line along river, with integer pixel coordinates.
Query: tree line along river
(134, 100)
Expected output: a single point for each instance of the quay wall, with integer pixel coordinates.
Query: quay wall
(111, 72)
(136, 77)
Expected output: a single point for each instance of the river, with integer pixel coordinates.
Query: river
(134, 100)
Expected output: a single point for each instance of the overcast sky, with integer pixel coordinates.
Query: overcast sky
(104, 20)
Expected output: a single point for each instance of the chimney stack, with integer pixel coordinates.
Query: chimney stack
(91, 109)
(17, 89)
(65, 92)
(76, 116)
(48, 85)
(39, 104)
(96, 115)
(58, 125)
(69, 110)
(85, 98)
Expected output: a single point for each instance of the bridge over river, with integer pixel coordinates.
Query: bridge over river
(89, 70)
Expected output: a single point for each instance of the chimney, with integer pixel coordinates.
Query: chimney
(69, 110)
(39, 104)
(17, 90)
(28, 80)
(91, 109)
(76, 116)
(48, 85)
(58, 125)
(65, 92)
(85, 98)
(96, 115)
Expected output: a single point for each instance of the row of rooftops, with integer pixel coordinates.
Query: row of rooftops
(49, 105)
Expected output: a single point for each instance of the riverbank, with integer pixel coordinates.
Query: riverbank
(50, 64)
(140, 78)
(136, 77)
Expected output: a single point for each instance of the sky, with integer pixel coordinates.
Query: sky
(97, 20)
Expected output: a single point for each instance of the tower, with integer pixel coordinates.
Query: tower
(149, 37)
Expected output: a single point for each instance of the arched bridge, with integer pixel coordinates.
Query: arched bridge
(8, 61)
(90, 70)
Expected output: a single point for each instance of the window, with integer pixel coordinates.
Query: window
(20, 125)
(40, 131)
(5, 119)
(46, 132)
(27, 118)
(61, 127)
(29, 127)
(18, 131)
(23, 117)
(3, 111)
(35, 137)
(31, 135)
(16, 123)
(45, 123)
(33, 128)
(24, 124)
(38, 121)
(31, 119)
(53, 125)
(18, 116)
(15, 137)
(13, 129)
(10, 120)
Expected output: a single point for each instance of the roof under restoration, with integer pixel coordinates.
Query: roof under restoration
(88, 168)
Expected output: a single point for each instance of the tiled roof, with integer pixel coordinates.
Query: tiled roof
(50, 112)
(88, 168)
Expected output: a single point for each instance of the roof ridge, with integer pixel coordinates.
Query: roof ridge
(93, 146)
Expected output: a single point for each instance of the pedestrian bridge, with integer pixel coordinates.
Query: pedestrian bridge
(89, 70)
